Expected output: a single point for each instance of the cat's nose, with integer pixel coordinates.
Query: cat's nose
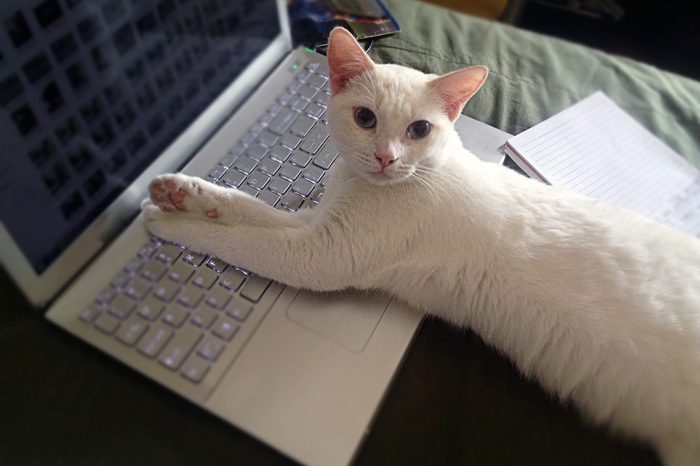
(385, 159)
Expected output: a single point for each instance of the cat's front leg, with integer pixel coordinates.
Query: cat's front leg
(296, 254)
(185, 195)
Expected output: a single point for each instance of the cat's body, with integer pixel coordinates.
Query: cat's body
(601, 306)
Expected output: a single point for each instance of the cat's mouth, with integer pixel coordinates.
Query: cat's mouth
(383, 177)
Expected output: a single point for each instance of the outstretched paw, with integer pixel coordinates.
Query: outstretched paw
(182, 193)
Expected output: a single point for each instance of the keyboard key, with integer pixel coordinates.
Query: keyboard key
(175, 315)
(291, 201)
(168, 253)
(90, 313)
(322, 98)
(256, 151)
(120, 281)
(278, 186)
(194, 369)
(150, 309)
(316, 80)
(228, 160)
(303, 187)
(153, 270)
(317, 194)
(290, 140)
(284, 119)
(106, 296)
(246, 188)
(190, 295)
(313, 174)
(254, 288)
(289, 172)
(302, 125)
(181, 271)
(179, 347)
(286, 97)
(300, 158)
(194, 258)
(311, 66)
(258, 180)
(237, 150)
(218, 297)
(210, 348)
(315, 110)
(239, 309)
(326, 157)
(224, 328)
(269, 198)
(298, 104)
(245, 165)
(267, 139)
(307, 92)
(269, 166)
(280, 154)
(315, 139)
(203, 317)
(156, 337)
(131, 331)
(166, 291)
(322, 70)
(137, 289)
(122, 307)
(232, 279)
(148, 249)
(133, 266)
(204, 278)
(216, 173)
(106, 323)
(294, 87)
(216, 264)
(233, 178)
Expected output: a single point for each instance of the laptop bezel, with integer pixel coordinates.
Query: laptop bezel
(41, 288)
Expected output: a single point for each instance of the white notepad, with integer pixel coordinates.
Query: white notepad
(596, 149)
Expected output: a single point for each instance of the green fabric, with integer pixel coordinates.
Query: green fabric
(532, 77)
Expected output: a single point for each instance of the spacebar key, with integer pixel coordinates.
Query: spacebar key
(179, 347)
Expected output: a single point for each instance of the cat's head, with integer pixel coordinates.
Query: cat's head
(390, 122)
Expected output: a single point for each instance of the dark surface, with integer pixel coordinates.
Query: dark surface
(455, 400)
(663, 33)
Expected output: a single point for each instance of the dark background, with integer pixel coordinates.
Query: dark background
(663, 33)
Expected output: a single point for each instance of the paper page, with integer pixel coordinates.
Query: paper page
(596, 149)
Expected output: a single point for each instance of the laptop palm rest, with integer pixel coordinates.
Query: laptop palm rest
(347, 318)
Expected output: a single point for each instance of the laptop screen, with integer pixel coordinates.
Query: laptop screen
(91, 92)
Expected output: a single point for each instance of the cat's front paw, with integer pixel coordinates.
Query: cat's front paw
(182, 193)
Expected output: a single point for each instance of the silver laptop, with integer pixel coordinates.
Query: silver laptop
(98, 98)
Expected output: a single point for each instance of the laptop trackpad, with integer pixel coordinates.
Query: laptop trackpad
(348, 318)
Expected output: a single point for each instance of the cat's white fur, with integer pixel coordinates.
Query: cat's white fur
(599, 305)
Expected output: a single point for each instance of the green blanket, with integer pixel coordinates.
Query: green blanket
(533, 77)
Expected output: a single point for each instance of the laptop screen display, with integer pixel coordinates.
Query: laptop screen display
(91, 92)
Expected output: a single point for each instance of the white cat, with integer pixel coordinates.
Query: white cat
(599, 305)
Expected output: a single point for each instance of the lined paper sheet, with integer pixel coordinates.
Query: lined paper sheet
(596, 149)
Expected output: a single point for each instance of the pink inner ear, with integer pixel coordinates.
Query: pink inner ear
(346, 59)
(458, 87)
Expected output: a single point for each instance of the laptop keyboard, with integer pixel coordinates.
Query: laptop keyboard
(182, 308)
(283, 158)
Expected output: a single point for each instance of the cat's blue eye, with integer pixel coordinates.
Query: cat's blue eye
(418, 129)
(365, 118)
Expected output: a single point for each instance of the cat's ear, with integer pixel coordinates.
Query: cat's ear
(458, 87)
(346, 58)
